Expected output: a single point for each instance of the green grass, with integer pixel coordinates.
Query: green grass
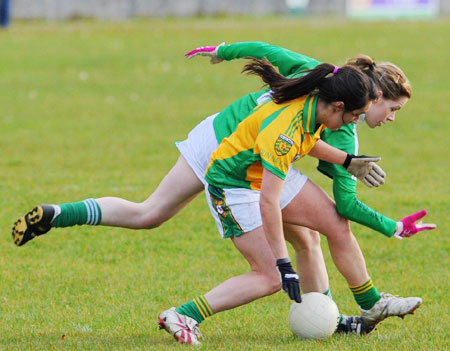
(90, 109)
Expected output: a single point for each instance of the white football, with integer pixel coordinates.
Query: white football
(316, 317)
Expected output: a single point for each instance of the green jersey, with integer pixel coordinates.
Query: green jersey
(291, 63)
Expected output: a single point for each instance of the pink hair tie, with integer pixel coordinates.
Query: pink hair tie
(336, 68)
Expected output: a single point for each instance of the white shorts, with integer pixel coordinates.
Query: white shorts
(236, 211)
(199, 146)
(240, 205)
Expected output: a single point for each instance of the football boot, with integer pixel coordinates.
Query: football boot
(34, 223)
(183, 328)
(390, 305)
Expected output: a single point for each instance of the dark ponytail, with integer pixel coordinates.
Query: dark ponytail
(348, 84)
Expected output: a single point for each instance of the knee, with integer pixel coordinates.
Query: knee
(306, 240)
(311, 241)
(273, 286)
(266, 280)
(341, 232)
(148, 217)
(272, 281)
(152, 220)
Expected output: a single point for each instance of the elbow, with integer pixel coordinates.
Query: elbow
(267, 204)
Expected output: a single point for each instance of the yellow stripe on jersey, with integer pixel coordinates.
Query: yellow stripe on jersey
(240, 140)
(309, 140)
(243, 138)
(295, 124)
(254, 172)
(308, 117)
(273, 136)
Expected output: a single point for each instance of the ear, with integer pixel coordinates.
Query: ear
(338, 105)
(379, 95)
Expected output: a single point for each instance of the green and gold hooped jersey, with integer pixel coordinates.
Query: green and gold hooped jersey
(273, 136)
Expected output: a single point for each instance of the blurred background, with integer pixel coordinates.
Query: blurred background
(125, 9)
(93, 95)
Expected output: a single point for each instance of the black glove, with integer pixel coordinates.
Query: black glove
(289, 279)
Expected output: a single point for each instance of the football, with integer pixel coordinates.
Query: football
(316, 317)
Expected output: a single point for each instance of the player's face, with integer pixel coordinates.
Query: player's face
(347, 117)
(383, 111)
(355, 115)
(336, 115)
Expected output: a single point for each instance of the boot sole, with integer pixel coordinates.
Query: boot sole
(23, 223)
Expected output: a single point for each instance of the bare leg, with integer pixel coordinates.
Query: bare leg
(308, 257)
(262, 280)
(174, 192)
(314, 209)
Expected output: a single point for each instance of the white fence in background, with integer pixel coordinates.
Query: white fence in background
(123, 9)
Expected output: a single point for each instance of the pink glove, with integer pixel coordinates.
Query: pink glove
(210, 51)
(407, 227)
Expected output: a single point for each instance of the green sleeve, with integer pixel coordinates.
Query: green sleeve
(288, 62)
(344, 184)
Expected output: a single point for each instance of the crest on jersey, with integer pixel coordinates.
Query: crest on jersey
(283, 145)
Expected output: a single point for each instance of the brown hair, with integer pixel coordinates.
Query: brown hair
(388, 77)
(348, 84)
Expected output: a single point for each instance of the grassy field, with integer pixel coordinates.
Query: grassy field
(91, 109)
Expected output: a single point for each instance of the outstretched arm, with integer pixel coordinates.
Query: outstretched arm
(344, 191)
(287, 61)
(350, 207)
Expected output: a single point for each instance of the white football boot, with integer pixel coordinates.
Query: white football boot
(390, 305)
(183, 328)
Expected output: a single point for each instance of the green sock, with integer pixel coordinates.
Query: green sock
(366, 295)
(198, 309)
(328, 293)
(83, 212)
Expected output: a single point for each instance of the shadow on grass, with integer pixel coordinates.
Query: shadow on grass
(88, 341)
